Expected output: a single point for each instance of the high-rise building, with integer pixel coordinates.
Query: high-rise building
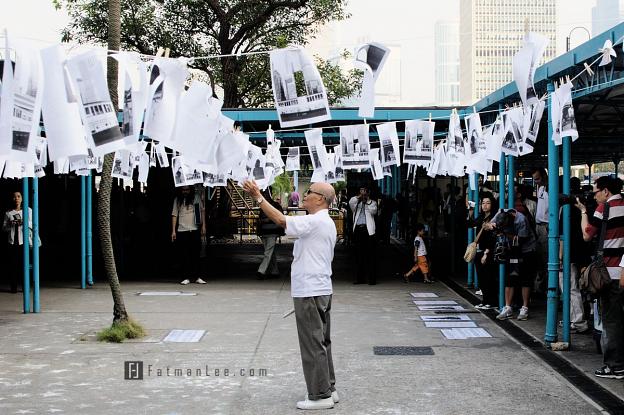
(491, 32)
(446, 41)
(606, 14)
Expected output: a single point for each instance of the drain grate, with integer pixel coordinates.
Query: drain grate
(402, 351)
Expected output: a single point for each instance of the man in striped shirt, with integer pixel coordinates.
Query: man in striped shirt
(607, 190)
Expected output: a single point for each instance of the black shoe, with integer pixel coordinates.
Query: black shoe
(260, 276)
(607, 372)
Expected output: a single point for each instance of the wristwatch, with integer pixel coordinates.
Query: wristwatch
(259, 200)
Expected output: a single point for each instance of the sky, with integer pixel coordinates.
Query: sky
(404, 24)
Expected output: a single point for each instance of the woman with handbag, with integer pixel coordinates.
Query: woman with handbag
(268, 231)
(483, 259)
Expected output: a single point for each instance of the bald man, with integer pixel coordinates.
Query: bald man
(311, 287)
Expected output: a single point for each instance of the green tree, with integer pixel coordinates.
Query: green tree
(219, 27)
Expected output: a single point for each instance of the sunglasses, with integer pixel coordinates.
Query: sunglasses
(312, 191)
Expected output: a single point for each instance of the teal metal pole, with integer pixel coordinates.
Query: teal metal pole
(36, 304)
(89, 229)
(501, 205)
(565, 291)
(511, 176)
(476, 215)
(296, 180)
(83, 233)
(553, 230)
(26, 244)
(471, 236)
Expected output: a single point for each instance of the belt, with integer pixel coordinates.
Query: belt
(360, 226)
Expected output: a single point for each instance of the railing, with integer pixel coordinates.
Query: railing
(247, 222)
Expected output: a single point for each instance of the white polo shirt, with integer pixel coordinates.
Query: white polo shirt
(310, 274)
(541, 213)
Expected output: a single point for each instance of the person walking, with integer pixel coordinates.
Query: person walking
(268, 231)
(311, 287)
(487, 270)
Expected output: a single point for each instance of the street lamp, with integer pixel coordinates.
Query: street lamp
(570, 35)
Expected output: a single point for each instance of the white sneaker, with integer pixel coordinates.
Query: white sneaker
(505, 314)
(487, 307)
(478, 292)
(524, 313)
(326, 403)
(334, 396)
(185, 282)
(479, 306)
(200, 281)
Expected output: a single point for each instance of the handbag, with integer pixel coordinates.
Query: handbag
(595, 278)
(471, 249)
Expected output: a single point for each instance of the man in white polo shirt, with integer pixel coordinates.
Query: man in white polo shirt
(311, 287)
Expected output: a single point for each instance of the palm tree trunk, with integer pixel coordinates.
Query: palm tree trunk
(104, 194)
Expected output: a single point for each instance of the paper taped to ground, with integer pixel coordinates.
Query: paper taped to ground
(441, 308)
(424, 295)
(450, 324)
(165, 293)
(184, 336)
(457, 317)
(435, 302)
(464, 333)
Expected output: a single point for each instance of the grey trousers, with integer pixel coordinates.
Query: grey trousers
(577, 317)
(313, 329)
(269, 261)
(612, 341)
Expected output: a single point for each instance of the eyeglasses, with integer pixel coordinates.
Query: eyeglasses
(312, 191)
(596, 191)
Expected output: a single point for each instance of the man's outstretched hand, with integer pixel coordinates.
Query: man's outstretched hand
(252, 188)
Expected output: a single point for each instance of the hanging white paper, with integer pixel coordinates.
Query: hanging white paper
(144, 165)
(133, 76)
(61, 108)
(292, 159)
(161, 155)
(122, 165)
(389, 141)
(355, 145)
(370, 58)
(97, 112)
(375, 163)
(26, 90)
(525, 64)
(166, 82)
(418, 147)
(509, 145)
(567, 118)
(533, 117)
(318, 154)
(300, 97)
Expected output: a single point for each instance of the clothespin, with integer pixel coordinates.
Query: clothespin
(159, 52)
(167, 51)
(474, 109)
(588, 69)
(429, 117)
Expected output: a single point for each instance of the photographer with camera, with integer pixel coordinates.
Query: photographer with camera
(610, 209)
(12, 225)
(364, 210)
(515, 246)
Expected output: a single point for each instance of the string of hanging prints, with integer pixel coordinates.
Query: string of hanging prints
(81, 123)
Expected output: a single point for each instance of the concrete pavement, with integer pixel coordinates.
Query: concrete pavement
(50, 362)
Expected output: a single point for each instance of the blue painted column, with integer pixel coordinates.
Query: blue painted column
(511, 176)
(36, 303)
(26, 244)
(553, 230)
(471, 237)
(476, 215)
(565, 291)
(501, 204)
(83, 233)
(89, 229)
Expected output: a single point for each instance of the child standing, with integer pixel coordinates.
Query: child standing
(420, 256)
